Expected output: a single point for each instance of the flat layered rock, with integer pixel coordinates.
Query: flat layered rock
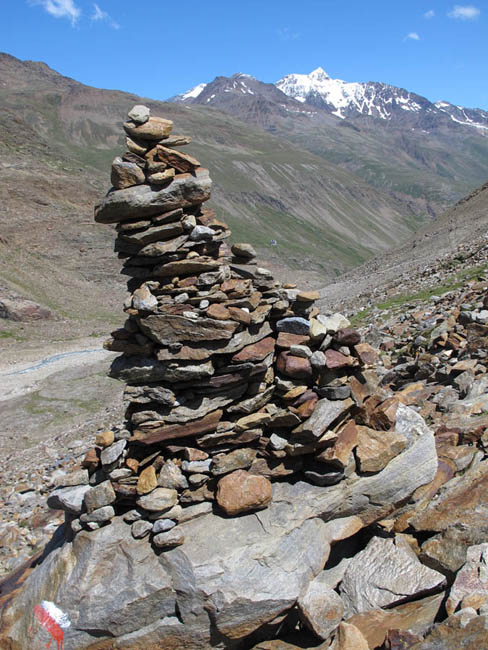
(168, 328)
(385, 573)
(326, 412)
(142, 200)
(140, 370)
(174, 431)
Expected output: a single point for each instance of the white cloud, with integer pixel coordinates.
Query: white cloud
(60, 8)
(413, 36)
(429, 14)
(464, 12)
(99, 15)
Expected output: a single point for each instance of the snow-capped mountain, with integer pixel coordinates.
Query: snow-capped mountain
(343, 99)
(347, 99)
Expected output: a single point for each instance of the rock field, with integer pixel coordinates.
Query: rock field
(281, 479)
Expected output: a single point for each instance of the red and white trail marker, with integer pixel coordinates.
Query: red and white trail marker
(54, 620)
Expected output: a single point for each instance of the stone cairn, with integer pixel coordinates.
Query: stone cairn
(233, 380)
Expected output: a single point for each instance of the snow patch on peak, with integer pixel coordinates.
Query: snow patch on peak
(193, 92)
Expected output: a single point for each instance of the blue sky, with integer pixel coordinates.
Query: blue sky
(157, 48)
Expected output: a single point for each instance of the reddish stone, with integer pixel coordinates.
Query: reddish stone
(334, 359)
(217, 311)
(239, 315)
(286, 340)
(294, 367)
(366, 354)
(305, 410)
(255, 352)
(347, 336)
(242, 492)
(90, 461)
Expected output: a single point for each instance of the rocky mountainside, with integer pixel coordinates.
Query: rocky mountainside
(277, 482)
(428, 154)
(58, 137)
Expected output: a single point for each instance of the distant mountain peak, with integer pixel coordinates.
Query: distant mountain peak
(319, 74)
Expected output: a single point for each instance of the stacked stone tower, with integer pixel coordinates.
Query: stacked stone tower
(233, 380)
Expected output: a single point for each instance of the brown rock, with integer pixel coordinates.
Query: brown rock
(185, 267)
(348, 637)
(308, 296)
(294, 367)
(335, 359)
(218, 312)
(172, 432)
(155, 128)
(375, 449)
(340, 453)
(255, 352)
(180, 161)
(168, 328)
(366, 354)
(286, 340)
(417, 616)
(243, 492)
(239, 315)
(90, 461)
(105, 439)
(125, 174)
(147, 480)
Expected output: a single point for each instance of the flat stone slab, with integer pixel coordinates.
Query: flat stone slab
(142, 200)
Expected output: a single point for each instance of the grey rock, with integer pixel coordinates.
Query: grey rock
(252, 404)
(318, 360)
(99, 496)
(201, 233)
(196, 466)
(243, 250)
(334, 323)
(302, 351)
(238, 459)
(386, 572)
(170, 538)
(79, 477)
(141, 200)
(320, 607)
(113, 453)
(326, 412)
(195, 511)
(172, 477)
(140, 529)
(100, 515)
(69, 499)
(144, 300)
(139, 114)
(140, 369)
(197, 480)
(163, 525)
(132, 515)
